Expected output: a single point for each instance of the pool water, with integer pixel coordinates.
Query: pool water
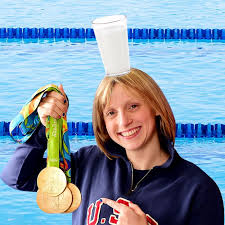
(145, 13)
(190, 73)
(18, 207)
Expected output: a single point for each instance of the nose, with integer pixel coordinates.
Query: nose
(124, 119)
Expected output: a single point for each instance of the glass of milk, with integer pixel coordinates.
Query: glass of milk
(112, 39)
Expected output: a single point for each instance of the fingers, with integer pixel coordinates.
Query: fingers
(136, 208)
(118, 206)
(60, 97)
(66, 100)
(61, 89)
(50, 109)
(115, 205)
(54, 104)
(128, 213)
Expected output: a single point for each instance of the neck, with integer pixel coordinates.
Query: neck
(148, 157)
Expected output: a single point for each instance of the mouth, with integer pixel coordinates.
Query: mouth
(130, 133)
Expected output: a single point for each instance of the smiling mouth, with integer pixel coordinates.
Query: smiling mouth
(130, 132)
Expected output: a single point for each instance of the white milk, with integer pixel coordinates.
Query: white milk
(112, 39)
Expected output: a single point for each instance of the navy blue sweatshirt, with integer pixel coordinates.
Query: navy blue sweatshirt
(175, 193)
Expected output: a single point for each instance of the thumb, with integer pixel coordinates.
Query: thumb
(61, 89)
(63, 92)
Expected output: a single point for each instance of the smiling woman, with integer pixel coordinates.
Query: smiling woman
(141, 174)
(120, 99)
(132, 125)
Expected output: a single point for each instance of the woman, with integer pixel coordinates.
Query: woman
(140, 177)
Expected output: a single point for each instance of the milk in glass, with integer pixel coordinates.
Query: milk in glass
(112, 39)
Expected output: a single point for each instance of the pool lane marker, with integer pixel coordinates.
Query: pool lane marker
(133, 33)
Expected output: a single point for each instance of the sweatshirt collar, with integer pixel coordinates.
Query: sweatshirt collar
(116, 150)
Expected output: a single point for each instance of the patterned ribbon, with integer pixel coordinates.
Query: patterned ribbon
(28, 120)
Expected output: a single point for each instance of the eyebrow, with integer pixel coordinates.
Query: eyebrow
(139, 100)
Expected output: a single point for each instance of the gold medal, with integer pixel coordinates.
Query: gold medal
(76, 198)
(54, 194)
(52, 180)
(54, 204)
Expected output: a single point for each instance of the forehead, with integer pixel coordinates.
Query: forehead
(120, 93)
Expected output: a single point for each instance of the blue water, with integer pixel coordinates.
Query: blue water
(18, 208)
(190, 73)
(145, 13)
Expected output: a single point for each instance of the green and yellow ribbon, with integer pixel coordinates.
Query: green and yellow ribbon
(28, 120)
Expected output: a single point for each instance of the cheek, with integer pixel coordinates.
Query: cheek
(109, 127)
(151, 121)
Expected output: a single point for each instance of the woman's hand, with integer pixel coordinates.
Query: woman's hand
(128, 215)
(54, 105)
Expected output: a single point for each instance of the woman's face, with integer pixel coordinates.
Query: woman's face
(129, 120)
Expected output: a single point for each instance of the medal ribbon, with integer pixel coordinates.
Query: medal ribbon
(53, 134)
(28, 120)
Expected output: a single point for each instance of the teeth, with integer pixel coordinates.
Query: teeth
(129, 133)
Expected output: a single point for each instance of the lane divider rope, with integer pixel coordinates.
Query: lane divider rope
(133, 33)
(188, 130)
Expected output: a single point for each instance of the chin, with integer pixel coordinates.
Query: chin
(131, 148)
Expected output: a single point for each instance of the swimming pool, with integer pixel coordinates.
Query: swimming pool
(191, 88)
(20, 207)
(190, 73)
(159, 14)
(194, 90)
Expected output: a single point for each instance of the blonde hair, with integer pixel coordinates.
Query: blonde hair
(141, 83)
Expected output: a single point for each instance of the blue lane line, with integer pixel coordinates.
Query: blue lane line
(88, 33)
(182, 130)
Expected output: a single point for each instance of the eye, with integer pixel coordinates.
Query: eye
(133, 106)
(110, 113)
